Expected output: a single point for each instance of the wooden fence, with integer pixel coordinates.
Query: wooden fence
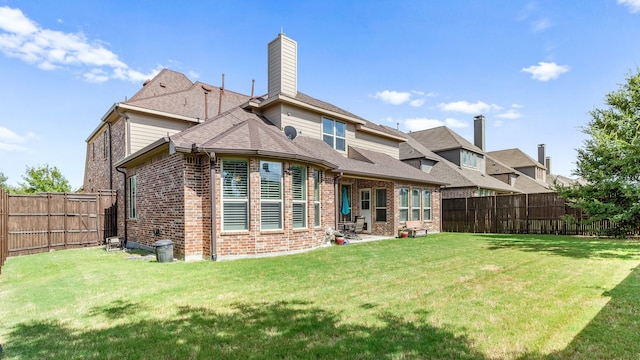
(544, 213)
(4, 227)
(51, 221)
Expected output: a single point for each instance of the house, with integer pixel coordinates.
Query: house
(225, 175)
(466, 168)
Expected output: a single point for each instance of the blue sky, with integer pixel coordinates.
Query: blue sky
(534, 68)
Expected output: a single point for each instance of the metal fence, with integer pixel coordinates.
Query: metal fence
(544, 213)
(51, 221)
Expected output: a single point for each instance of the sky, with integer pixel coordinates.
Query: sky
(534, 69)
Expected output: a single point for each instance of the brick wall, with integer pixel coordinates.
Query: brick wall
(160, 202)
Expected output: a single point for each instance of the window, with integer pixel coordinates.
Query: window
(270, 195)
(426, 204)
(317, 178)
(299, 196)
(235, 195)
(415, 204)
(334, 133)
(403, 208)
(381, 204)
(132, 197)
(469, 159)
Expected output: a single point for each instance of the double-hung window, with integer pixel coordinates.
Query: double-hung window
(426, 204)
(270, 195)
(404, 204)
(299, 189)
(415, 204)
(235, 195)
(317, 178)
(381, 204)
(334, 133)
(132, 208)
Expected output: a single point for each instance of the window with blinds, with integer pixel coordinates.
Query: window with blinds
(235, 195)
(270, 195)
(415, 204)
(299, 196)
(403, 208)
(381, 205)
(317, 178)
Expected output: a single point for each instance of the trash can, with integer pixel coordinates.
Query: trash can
(164, 250)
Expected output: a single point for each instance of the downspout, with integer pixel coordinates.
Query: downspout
(212, 192)
(124, 173)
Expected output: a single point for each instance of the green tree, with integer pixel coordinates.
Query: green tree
(609, 162)
(43, 178)
(3, 181)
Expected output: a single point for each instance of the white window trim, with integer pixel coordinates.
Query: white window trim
(425, 207)
(234, 200)
(333, 135)
(317, 202)
(132, 194)
(419, 206)
(403, 208)
(273, 201)
(381, 207)
(302, 201)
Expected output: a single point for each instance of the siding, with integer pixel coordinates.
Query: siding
(282, 75)
(375, 143)
(306, 122)
(144, 130)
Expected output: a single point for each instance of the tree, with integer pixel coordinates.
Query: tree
(609, 162)
(43, 178)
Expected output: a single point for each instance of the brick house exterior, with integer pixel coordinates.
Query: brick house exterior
(167, 148)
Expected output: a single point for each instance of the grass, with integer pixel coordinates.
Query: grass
(445, 296)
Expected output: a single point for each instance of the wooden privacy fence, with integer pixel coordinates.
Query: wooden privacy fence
(544, 213)
(4, 227)
(51, 221)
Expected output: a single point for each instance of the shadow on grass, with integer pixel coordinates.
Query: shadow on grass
(614, 333)
(282, 330)
(569, 246)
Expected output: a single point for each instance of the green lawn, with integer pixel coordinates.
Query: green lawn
(445, 296)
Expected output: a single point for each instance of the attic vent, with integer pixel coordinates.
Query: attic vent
(163, 85)
(146, 82)
(207, 88)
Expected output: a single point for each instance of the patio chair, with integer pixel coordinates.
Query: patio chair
(358, 227)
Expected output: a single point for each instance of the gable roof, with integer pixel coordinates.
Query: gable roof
(442, 138)
(165, 82)
(514, 158)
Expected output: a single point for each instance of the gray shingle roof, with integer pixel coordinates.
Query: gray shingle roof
(514, 158)
(442, 138)
(166, 82)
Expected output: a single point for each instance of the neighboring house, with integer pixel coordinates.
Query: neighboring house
(224, 174)
(519, 160)
(466, 168)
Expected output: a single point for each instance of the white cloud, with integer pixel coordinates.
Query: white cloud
(633, 5)
(510, 114)
(540, 25)
(24, 39)
(516, 106)
(10, 141)
(416, 102)
(401, 97)
(498, 123)
(393, 97)
(416, 124)
(466, 107)
(545, 71)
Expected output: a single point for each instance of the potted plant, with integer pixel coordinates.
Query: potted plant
(403, 232)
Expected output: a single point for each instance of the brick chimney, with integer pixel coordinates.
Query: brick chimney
(283, 66)
(478, 131)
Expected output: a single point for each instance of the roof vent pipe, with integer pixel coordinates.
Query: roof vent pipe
(547, 164)
(221, 93)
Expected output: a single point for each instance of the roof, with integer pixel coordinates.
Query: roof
(442, 138)
(239, 131)
(366, 163)
(514, 158)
